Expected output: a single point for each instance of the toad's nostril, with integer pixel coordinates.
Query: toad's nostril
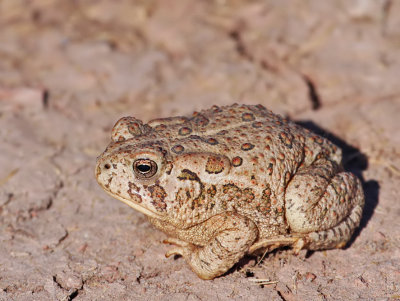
(107, 166)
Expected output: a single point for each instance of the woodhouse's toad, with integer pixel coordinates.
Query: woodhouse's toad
(230, 181)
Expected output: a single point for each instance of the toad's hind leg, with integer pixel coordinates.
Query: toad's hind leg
(324, 204)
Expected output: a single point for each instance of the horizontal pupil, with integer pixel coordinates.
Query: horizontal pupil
(144, 168)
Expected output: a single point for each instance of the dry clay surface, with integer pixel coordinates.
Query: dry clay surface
(70, 69)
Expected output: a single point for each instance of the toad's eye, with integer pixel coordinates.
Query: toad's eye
(144, 168)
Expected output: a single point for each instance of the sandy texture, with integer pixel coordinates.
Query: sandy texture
(70, 69)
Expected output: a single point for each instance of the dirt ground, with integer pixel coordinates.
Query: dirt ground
(70, 69)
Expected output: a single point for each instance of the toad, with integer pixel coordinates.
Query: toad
(231, 181)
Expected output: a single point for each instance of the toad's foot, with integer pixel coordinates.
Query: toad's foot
(183, 248)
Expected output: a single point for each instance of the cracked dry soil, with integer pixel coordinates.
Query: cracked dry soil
(70, 69)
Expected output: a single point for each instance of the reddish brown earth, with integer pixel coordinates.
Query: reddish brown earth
(70, 69)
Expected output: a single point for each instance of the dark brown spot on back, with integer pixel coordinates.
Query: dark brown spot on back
(248, 117)
(247, 146)
(199, 119)
(257, 124)
(286, 139)
(237, 161)
(185, 131)
(160, 127)
(270, 168)
(177, 149)
(211, 141)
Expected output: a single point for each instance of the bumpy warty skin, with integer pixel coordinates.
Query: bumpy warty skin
(232, 180)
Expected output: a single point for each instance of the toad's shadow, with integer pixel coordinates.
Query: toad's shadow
(355, 162)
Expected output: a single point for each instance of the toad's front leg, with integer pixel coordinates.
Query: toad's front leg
(232, 236)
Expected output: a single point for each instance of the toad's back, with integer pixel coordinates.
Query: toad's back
(264, 150)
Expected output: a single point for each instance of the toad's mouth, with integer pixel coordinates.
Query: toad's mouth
(135, 206)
